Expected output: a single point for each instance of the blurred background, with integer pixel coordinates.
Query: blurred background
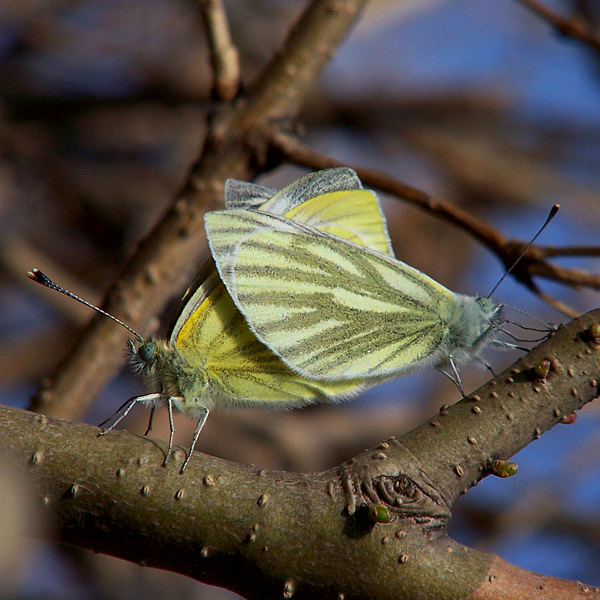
(102, 111)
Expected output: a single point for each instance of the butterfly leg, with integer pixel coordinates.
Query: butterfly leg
(171, 429)
(454, 376)
(127, 406)
(129, 403)
(503, 345)
(486, 364)
(197, 431)
(150, 421)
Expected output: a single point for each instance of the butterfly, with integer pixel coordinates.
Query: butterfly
(333, 310)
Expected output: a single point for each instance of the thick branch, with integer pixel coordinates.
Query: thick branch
(511, 410)
(311, 535)
(254, 532)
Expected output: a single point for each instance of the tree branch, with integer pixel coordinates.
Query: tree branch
(223, 54)
(373, 527)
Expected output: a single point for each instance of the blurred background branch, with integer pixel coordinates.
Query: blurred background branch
(574, 27)
(224, 56)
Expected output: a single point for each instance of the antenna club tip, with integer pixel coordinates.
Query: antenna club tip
(36, 275)
(40, 278)
(555, 208)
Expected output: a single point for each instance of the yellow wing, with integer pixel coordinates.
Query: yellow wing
(216, 338)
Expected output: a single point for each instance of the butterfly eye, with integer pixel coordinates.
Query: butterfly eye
(146, 351)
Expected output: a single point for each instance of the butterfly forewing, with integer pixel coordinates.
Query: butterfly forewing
(328, 307)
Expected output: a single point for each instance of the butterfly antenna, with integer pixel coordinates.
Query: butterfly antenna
(39, 277)
(545, 326)
(516, 338)
(551, 216)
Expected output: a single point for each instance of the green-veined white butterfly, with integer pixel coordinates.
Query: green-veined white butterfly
(333, 310)
(211, 358)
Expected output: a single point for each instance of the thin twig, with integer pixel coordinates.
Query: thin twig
(574, 28)
(223, 54)
(557, 304)
(573, 277)
(570, 250)
(296, 152)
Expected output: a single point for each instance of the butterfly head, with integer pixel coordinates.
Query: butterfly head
(474, 323)
(491, 319)
(142, 356)
(150, 356)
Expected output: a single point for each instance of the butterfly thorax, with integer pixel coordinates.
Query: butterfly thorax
(473, 323)
(165, 370)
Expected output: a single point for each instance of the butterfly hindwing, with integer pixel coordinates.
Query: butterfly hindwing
(311, 186)
(215, 337)
(242, 194)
